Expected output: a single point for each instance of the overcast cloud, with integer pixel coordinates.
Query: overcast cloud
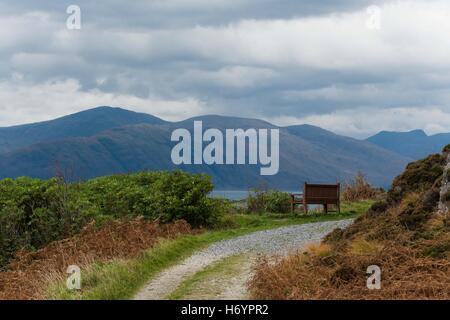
(289, 62)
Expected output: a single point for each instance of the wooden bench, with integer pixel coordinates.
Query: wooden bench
(324, 194)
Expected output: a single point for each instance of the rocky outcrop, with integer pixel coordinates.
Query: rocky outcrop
(444, 201)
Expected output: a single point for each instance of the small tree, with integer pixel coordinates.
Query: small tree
(360, 189)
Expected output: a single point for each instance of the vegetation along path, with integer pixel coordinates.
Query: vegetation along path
(222, 269)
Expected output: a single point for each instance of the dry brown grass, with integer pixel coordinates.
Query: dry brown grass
(30, 271)
(405, 275)
(401, 234)
(414, 264)
(362, 247)
(318, 249)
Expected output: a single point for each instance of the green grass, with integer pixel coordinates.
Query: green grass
(119, 280)
(205, 284)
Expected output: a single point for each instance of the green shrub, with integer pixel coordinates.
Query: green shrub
(34, 212)
(274, 201)
(419, 176)
(413, 212)
(165, 196)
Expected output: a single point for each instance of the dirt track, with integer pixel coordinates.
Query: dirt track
(276, 241)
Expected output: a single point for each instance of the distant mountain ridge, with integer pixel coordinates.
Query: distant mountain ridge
(107, 140)
(414, 144)
(81, 124)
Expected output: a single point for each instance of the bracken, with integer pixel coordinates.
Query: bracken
(403, 235)
(30, 271)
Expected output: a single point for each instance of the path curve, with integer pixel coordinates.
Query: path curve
(279, 241)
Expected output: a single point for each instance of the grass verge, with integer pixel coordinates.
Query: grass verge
(208, 283)
(118, 280)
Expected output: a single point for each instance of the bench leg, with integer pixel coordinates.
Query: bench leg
(325, 208)
(305, 208)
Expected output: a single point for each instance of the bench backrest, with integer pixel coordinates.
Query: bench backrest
(321, 193)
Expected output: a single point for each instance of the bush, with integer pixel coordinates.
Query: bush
(359, 189)
(273, 201)
(34, 212)
(166, 196)
(419, 176)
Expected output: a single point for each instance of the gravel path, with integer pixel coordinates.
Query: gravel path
(279, 241)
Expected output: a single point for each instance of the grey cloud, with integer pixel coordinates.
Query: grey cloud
(221, 57)
(185, 13)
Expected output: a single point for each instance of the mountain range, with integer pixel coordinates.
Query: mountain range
(414, 144)
(106, 140)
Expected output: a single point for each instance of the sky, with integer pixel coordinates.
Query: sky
(354, 67)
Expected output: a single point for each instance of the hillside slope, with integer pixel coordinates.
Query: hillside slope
(406, 235)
